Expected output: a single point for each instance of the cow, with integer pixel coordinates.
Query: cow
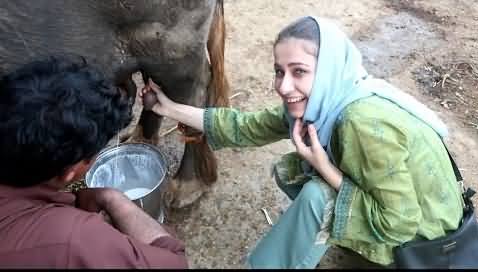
(179, 44)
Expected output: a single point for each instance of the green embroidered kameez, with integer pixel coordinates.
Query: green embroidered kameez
(398, 181)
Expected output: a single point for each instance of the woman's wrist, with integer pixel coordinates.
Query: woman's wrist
(189, 115)
(165, 110)
(331, 174)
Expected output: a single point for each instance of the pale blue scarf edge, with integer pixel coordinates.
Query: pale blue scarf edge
(331, 94)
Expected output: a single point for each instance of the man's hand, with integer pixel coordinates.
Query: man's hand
(123, 213)
(95, 200)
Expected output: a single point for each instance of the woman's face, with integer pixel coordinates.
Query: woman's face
(295, 61)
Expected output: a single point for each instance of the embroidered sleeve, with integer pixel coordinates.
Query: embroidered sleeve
(226, 127)
(377, 201)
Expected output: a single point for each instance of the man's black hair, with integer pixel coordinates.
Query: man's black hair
(53, 114)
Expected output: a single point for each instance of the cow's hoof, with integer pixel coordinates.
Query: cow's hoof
(182, 193)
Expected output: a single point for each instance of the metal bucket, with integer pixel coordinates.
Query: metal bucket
(136, 169)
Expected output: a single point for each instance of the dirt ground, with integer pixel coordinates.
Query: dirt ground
(427, 48)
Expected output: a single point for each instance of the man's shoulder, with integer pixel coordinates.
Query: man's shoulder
(54, 223)
(40, 235)
(86, 238)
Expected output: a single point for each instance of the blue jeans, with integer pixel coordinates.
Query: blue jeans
(291, 242)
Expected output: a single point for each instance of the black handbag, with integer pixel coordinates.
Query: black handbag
(458, 249)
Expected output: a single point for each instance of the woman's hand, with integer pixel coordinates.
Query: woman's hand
(163, 105)
(315, 154)
(186, 114)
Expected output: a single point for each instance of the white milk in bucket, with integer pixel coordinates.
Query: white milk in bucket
(135, 169)
(136, 193)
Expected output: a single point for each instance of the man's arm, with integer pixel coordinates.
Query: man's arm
(130, 219)
(96, 244)
(136, 240)
(124, 214)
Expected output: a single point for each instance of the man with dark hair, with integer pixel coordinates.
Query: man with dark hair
(55, 117)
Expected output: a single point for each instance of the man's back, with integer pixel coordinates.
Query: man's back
(40, 228)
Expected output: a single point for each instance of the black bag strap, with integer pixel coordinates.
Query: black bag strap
(467, 192)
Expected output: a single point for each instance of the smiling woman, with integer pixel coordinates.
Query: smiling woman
(294, 74)
(370, 171)
(295, 54)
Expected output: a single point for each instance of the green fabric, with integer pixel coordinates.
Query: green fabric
(398, 182)
(227, 127)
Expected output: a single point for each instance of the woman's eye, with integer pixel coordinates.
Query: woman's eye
(299, 72)
(279, 73)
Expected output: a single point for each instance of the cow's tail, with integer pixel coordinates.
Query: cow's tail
(207, 169)
(217, 91)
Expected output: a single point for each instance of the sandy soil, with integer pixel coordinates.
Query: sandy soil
(428, 48)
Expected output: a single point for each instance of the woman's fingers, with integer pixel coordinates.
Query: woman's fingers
(153, 85)
(314, 139)
(157, 90)
(296, 129)
(296, 134)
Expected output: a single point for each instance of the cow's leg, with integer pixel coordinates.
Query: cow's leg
(198, 169)
(186, 186)
(199, 166)
(186, 77)
(203, 162)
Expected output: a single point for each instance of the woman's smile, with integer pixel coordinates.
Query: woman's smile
(294, 67)
(295, 107)
(295, 99)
